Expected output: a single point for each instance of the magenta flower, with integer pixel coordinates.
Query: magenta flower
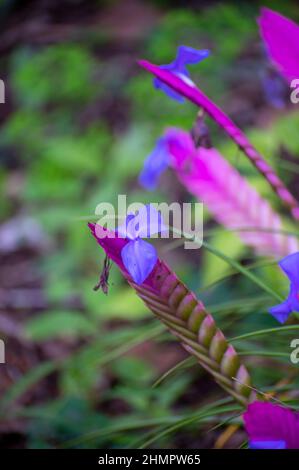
(271, 426)
(290, 266)
(281, 37)
(138, 256)
(154, 165)
(185, 56)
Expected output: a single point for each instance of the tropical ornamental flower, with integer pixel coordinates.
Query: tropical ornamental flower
(271, 426)
(228, 196)
(185, 56)
(178, 308)
(290, 266)
(138, 256)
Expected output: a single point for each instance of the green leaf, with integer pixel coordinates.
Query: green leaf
(119, 303)
(58, 324)
(26, 382)
(213, 267)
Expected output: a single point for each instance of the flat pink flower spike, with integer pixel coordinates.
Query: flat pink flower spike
(228, 195)
(281, 37)
(185, 316)
(196, 96)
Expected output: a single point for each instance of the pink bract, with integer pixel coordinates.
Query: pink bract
(281, 37)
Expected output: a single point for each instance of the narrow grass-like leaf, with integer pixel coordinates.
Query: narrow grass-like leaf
(233, 263)
(26, 382)
(98, 356)
(125, 425)
(266, 331)
(182, 365)
(187, 422)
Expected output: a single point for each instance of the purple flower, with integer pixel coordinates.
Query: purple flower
(290, 266)
(185, 56)
(275, 88)
(154, 165)
(138, 256)
(161, 156)
(267, 445)
(271, 426)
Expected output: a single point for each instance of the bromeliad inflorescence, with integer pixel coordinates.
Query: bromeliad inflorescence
(235, 204)
(227, 195)
(178, 308)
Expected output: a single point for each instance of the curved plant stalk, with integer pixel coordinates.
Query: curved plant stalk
(186, 317)
(228, 196)
(195, 95)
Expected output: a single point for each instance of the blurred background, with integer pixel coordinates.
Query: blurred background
(84, 369)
